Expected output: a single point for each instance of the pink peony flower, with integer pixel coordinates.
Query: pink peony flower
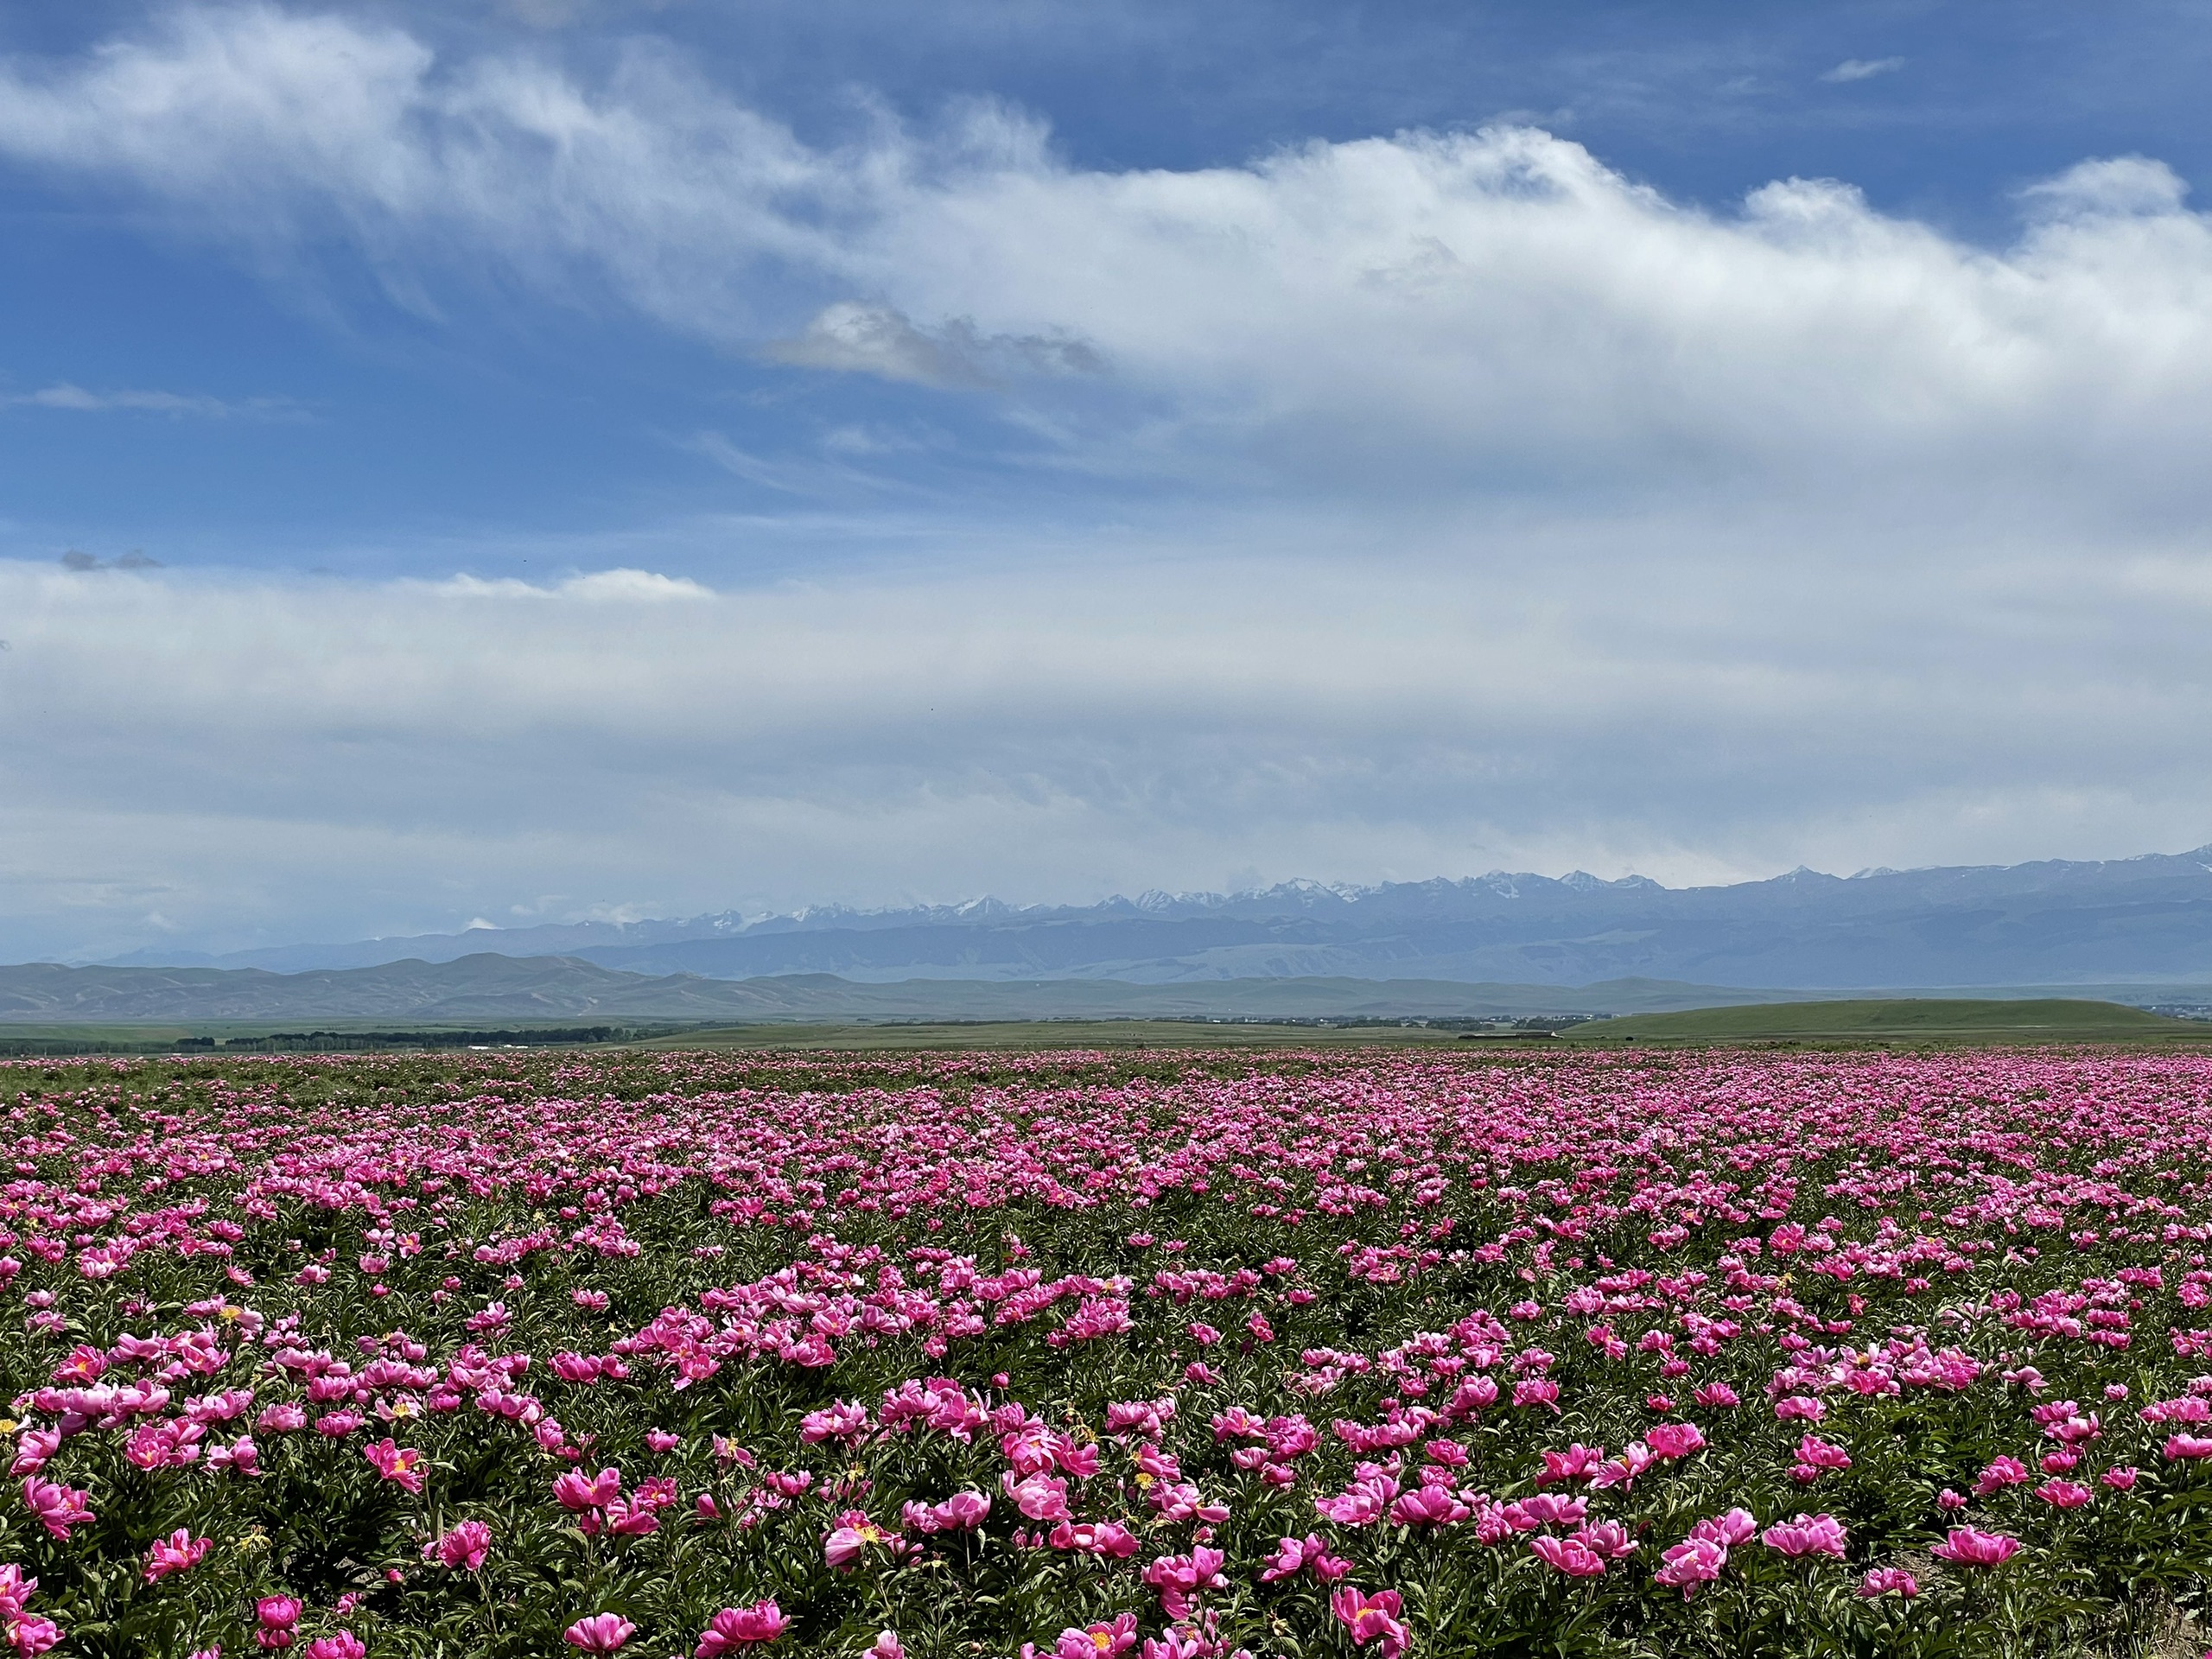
(1428, 1506)
(1694, 1561)
(1109, 1539)
(462, 1550)
(1607, 1538)
(1968, 1546)
(575, 1492)
(400, 1465)
(2000, 1473)
(1096, 1642)
(599, 1633)
(1672, 1440)
(1570, 1555)
(33, 1447)
(57, 1508)
(1041, 1497)
(1294, 1555)
(1734, 1526)
(1371, 1619)
(1887, 1581)
(737, 1627)
(1809, 1534)
(963, 1511)
(1180, 1578)
(341, 1645)
(178, 1552)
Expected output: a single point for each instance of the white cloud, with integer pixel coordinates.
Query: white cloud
(1852, 69)
(243, 752)
(1489, 306)
(2124, 186)
(65, 395)
(1593, 528)
(875, 340)
(611, 586)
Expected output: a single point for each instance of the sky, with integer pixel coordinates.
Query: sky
(540, 459)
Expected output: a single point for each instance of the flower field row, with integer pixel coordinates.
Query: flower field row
(1367, 1353)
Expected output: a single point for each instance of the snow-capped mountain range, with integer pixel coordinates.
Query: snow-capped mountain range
(2055, 922)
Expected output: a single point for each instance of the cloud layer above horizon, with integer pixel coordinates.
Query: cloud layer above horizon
(1415, 503)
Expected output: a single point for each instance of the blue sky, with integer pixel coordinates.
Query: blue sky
(615, 459)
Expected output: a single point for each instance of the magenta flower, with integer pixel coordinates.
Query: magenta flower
(1428, 1506)
(400, 1465)
(1570, 1555)
(1968, 1546)
(462, 1550)
(1371, 1619)
(1180, 1578)
(963, 1511)
(282, 1419)
(178, 1552)
(575, 1491)
(1818, 1454)
(2187, 1447)
(1578, 1462)
(1694, 1561)
(1888, 1581)
(1610, 1539)
(1809, 1534)
(1041, 1497)
(341, 1644)
(1295, 1556)
(738, 1627)
(1536, 1391)
(1546, 1509)
(33, 1447)
(599, 1633)
(2000, 1473)
(1105, 1538)
(1734, 1526)
(1096, 1642)
(57, 1508)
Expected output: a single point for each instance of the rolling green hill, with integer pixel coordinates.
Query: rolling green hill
(1957, 1019)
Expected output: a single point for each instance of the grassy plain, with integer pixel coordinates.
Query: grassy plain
(1956, 1020)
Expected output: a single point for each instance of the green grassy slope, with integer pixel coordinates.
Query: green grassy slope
(1930, 1018)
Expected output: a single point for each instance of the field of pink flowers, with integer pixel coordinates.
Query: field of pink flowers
(1366, 1353)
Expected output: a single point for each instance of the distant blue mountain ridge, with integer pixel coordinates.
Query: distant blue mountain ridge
(2146, 919)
